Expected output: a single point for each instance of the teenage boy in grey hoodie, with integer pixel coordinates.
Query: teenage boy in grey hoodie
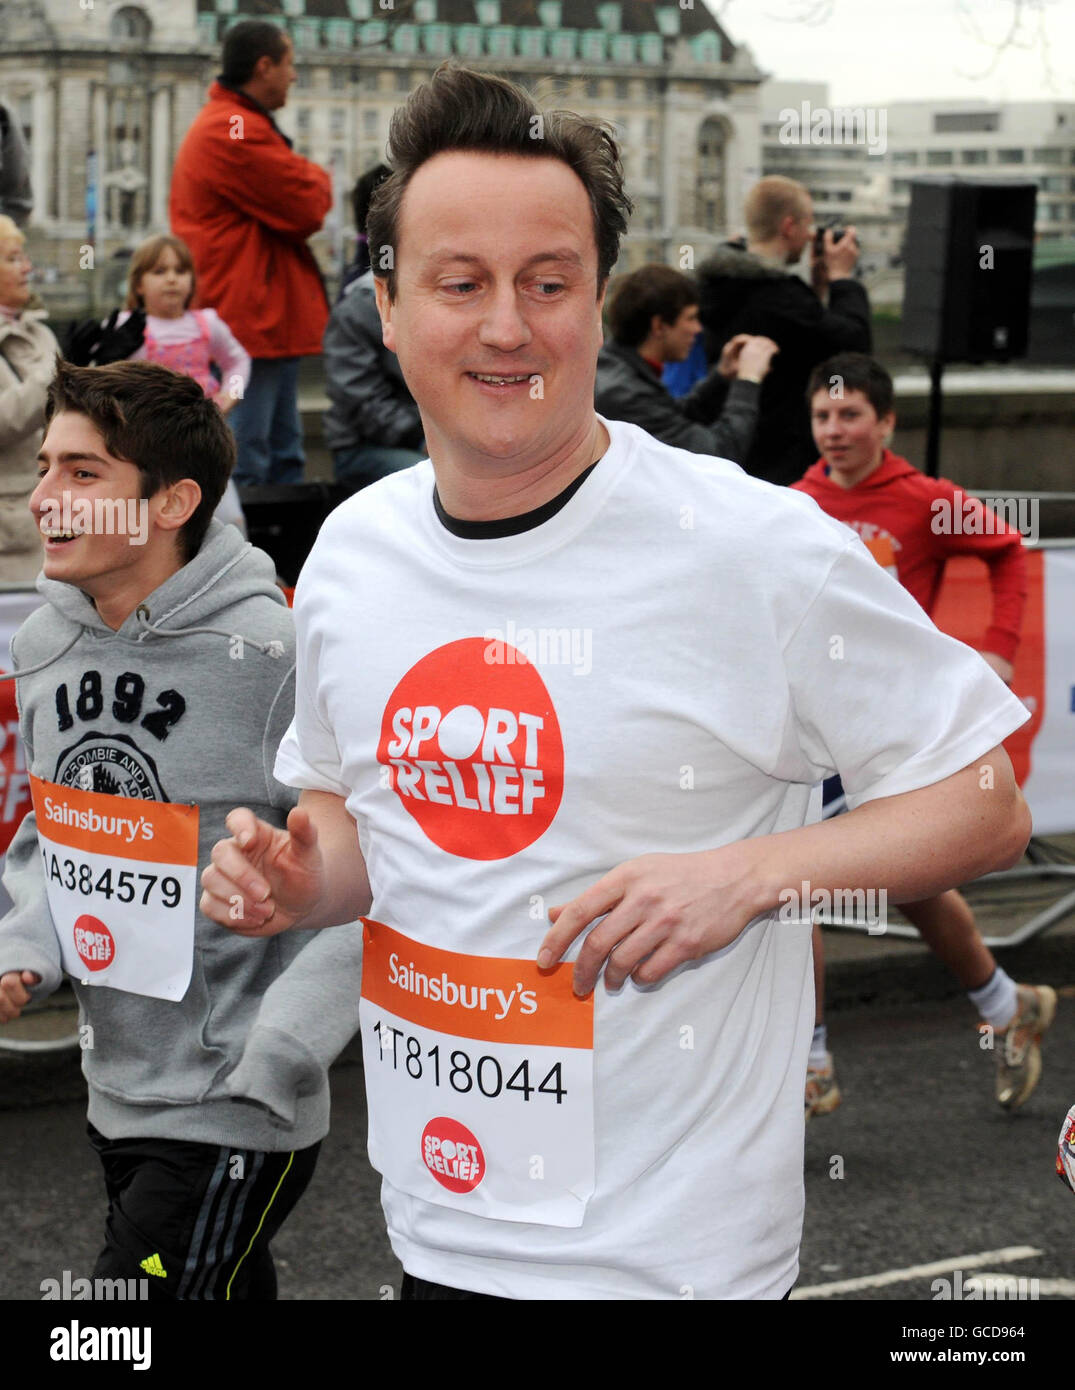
(161, 668)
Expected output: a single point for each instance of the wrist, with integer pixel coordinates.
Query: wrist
(751, 377)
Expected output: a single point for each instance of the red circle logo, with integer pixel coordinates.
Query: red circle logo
(473, 749)
(452, 1154)
(94, 943)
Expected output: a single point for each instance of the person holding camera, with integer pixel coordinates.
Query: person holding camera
(753, 289)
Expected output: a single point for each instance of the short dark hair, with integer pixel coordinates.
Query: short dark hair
(157, 419)
(363, 191)
(245, 43)
(855, 371)
(459, 109)
(652, 289)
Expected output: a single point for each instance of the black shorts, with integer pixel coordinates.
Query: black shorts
(195, 1220)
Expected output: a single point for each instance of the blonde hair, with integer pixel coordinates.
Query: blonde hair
(770, 202)
(146, 257)
(10, 231)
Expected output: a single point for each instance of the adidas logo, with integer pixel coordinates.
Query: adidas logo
(152, 1265)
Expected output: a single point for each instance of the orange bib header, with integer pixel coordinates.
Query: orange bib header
(123, 827)
(493, 998)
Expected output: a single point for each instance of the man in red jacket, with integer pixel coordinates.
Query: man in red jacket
(912, 524)
(245, 203)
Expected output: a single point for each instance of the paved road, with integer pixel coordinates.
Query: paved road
(933, 1171)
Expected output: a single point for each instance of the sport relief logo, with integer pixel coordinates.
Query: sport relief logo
(474, 751)
(94, 943)
(452, 1154)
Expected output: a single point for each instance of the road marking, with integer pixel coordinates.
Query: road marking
(897, 1276)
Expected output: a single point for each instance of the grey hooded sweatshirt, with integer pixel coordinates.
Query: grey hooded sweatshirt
(185, 703)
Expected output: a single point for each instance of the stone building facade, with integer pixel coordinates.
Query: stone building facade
(105, 90)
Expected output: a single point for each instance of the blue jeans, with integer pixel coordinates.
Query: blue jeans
(358, 465)
(266, 424)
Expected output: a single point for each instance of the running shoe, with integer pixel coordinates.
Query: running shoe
(822, 1092)
(1019, 1046)
(1065, 1154)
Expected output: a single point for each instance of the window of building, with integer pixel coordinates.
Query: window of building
(130, 23)
(974, 156)
(340, 78)
(651, 166)
(369, 122)
(1010, 156)
(938, 158)
(651, 129)
(593, 88)
(303, 78)
(621, 89)
(905, 157)
(1048, 154)
(337, 122)
(403, 80)
(964, 122)
(302, 120)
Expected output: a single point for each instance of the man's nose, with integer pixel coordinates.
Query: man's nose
(503, 324)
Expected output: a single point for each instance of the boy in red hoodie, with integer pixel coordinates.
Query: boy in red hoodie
(912, 524)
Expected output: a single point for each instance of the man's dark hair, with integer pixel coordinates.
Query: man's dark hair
(159, 420)
(459, 109)
(245, 43)
(363, 191)
(853, 371)
(650, 290)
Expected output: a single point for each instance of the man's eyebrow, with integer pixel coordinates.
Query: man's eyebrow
(71, 456)
(563, 255)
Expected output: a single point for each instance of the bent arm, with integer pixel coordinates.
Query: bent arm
(914, 845)
(346, 893)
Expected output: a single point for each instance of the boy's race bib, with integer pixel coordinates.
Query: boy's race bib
(121, 876)
(479, 1078)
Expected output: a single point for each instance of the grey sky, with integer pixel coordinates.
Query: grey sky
(892, 50)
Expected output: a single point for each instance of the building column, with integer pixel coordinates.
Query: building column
(40, 157)
(160, 120)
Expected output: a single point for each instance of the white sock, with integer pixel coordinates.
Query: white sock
(818, 1047)
(997, 1000)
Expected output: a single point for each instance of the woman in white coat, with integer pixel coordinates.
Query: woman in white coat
(28, 354)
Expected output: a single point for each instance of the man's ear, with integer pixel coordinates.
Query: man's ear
(384, 308)
(178, 504)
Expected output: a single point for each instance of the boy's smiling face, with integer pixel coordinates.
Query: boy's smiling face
(119, 546)
(849, 434)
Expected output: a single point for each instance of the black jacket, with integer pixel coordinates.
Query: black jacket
(741, 293)
(629, 389)
(370, 401)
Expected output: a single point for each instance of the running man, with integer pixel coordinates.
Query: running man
(597, 704)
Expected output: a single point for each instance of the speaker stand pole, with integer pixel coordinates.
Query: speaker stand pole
(933, 428)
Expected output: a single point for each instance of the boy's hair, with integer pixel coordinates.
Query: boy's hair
(363, 191)
(146, 256)
(159, 420)
(854, 371)
(769, 202)
(650, 290)
(459, 109)
(245, 43)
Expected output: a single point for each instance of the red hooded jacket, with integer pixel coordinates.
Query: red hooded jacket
(245, 203)
(912, 524)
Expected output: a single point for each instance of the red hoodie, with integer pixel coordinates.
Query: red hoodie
(895, 511)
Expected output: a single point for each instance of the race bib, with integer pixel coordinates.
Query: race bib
(479, 1078)
(121, 877)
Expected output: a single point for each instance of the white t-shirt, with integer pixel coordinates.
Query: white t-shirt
(704, 649)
